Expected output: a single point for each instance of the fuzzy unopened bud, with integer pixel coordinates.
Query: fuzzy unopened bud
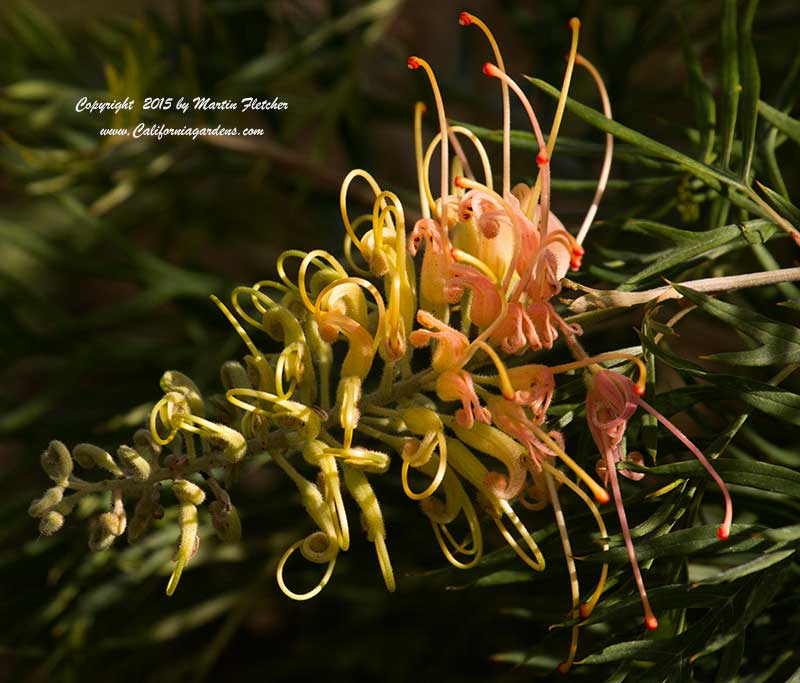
(57, 462)
(50, 523)
(114, 522)
(138, 466)
(89, 455)
(51, 498)
(234, 376)
(172, 380)
(187, 492)
(225, 520)
(146, 510)
(234, 444)
(99, 537)
(422, 420)
(146, 445)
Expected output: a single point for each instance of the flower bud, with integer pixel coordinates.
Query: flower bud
(50, 523)
(89, 455)
(234, 376)
(57, 462)
(260, 373)
(422, 420)
(187, 492)
(114, 523)
(146, 445)
(51, 498)
(139, 467)
(145, 511)
(225, 520)
(234, 444)
(172, 380)
(99, 537)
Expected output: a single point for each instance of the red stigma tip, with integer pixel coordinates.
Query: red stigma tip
(575, 263)
(583, 611)
(564, 668)
(458, 181)
(638, 390)
(601, 497)
(578, 249)
(413, 63)
(651, 622)
(722, 534)
(574, 23)
(465, 19)
(487, 68)
(542, 159)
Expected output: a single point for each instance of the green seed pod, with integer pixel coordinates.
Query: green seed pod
(172, 380)
(187, 492)
(89, 455)
(50, 523)
(99, 537)
(139, 467)
(51, 498)
(114, 523)
(225, 520)
(57, 462)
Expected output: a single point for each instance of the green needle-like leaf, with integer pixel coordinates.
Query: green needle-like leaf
(780, 343)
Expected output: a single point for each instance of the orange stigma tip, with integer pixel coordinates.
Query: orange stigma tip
(541, 159)
(651, 622)
(584, 611)
(578, 249)
(465, 18)
(564, 667)
(574, 23)
(458, 181)
(601, 496)
(488, 67)
(722, 534)
(638, 390)
(413, 62)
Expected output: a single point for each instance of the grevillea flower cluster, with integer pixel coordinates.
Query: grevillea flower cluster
(411, 354)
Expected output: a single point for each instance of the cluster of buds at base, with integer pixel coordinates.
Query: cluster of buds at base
(416, 349)
(140, 472)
